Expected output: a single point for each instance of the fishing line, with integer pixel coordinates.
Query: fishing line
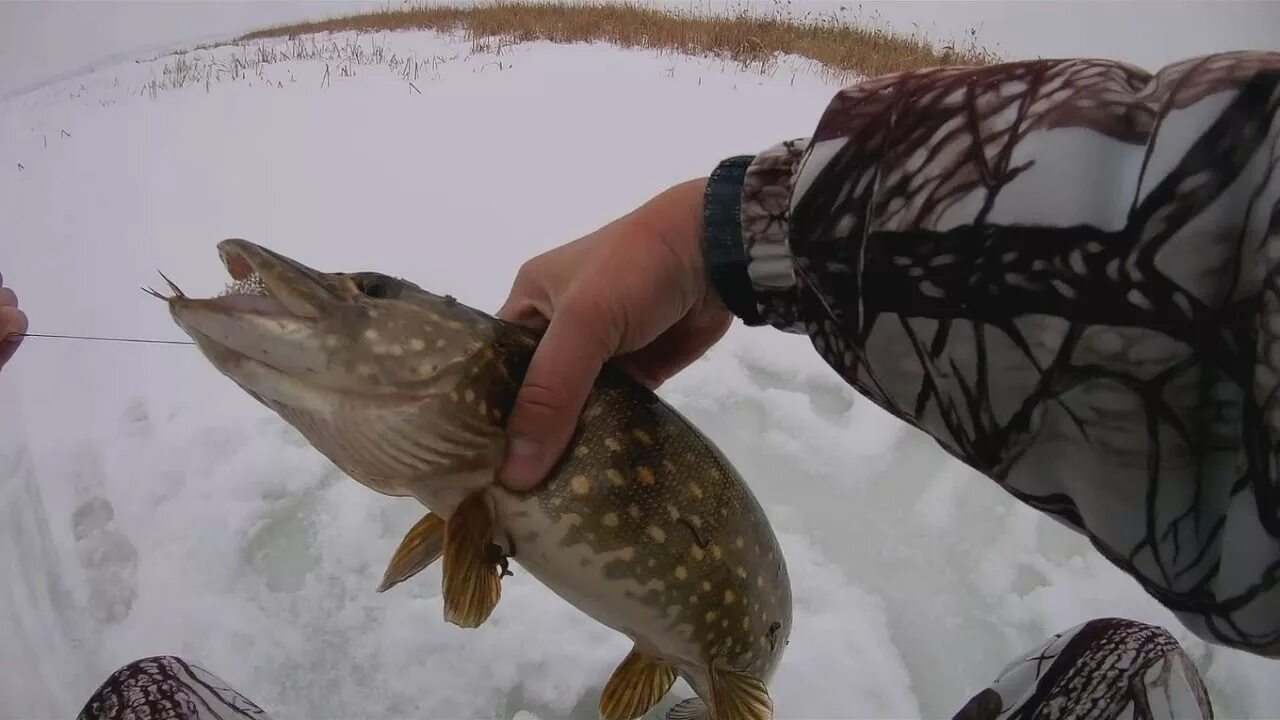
(102, 339)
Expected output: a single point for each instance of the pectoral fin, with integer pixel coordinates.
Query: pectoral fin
(472, 583)
(636, 685)
(737, 695)
(421, 546)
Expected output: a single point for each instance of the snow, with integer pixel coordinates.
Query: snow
(150, 507)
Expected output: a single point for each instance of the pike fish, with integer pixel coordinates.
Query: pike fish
(643, 524)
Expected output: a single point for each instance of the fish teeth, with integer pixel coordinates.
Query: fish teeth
(251, 285)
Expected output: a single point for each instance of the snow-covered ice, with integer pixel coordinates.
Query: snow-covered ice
(148, 506)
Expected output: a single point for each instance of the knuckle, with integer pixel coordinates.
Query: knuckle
(530, 270)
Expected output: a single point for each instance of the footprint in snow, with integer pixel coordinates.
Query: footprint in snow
(105, 554)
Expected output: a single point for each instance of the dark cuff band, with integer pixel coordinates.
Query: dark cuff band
(722, 248)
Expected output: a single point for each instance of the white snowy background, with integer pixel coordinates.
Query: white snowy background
(147, 506)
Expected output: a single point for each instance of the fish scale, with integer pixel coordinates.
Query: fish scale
(675, 540)
(642, 524)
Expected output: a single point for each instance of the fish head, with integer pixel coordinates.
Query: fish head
(301, 337)
(358, 361)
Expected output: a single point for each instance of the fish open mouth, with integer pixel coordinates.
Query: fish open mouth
(262, 328)
(261, 284)
(247, 292)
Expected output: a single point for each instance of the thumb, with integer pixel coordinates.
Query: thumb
(575, 346)
(13, 322)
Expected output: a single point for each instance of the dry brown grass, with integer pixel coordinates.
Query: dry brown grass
(841, 47)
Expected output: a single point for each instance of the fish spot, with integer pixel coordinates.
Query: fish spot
(741, 571)
(572, 519)
(696, 489)
(627, 553)
(760, 581)
(724, 622)
(441, 343)
(644, 475)
(657, 533)
(395, 350)
(371, 335)
(657, 585)
(693, 599)
(710, 616)
(417, 344)
(581, 484)
(426, 369)
(614, 476)
(740, 543)
(706, 584)
(610, 520)
(696, 552)
(470, 395)
(612, 444)
(483, 407)
(652, 562)
(681, 573)
(715, 551)
(634, 511)
(669, 466)
(746, 624)
(643, 437)
(728, 597)
(582, 451)
(497, 414)
(673, 512)
(453, 395)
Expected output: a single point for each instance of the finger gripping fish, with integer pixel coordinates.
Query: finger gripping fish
(642, 524)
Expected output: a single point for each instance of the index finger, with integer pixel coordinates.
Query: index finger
(553, 393)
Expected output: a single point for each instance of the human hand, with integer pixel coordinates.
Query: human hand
(13, 322)
(636, 289)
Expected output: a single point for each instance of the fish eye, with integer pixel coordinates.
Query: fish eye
(377, 286)
(375, 289)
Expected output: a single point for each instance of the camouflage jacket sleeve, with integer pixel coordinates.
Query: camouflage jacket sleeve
(1066, 273)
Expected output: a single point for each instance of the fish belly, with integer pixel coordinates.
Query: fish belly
(589, 579)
